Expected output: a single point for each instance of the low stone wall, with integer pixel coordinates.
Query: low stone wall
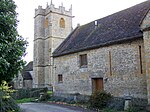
(28, 93)
(139, 103)
(72, 97)
(117, 103)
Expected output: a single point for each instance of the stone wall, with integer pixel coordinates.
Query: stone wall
(57, 31)
(121, 66)
(18, 81)
(28, 83)
(145, 26)
(47, 37)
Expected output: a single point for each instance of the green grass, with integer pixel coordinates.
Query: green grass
(24, 100)
(109, 110)
(49, 92)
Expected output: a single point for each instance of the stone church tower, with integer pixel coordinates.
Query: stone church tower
(51, 26)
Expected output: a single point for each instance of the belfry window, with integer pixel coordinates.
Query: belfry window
(46, 23)
(62, 23)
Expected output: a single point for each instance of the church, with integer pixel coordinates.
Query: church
(110, 54)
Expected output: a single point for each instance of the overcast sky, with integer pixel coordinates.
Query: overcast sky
(84, 11)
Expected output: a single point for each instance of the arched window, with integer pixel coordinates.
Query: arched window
(46, 23)
(62, 23)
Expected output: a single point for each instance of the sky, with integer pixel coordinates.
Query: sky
(84, 11)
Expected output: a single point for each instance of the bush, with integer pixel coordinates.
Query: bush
(99, 100)
(7, 103)
(44, 97)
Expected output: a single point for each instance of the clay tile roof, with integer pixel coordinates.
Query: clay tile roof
(118, 27)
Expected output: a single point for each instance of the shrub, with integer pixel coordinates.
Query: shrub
(99, 100)
(7, 103)
(44, 97)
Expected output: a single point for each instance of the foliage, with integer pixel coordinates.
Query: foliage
(5, 88)
(12, 46)
(99, 100)
(43, 97)
(7, 104)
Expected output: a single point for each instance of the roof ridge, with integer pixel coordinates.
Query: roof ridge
(116, 12)
(124, 25)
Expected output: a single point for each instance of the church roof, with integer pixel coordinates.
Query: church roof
(28, 67)
(27, 76)
(25, 72)
(118, 27)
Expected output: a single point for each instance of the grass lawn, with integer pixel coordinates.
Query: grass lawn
(49, 92)
(24, 100)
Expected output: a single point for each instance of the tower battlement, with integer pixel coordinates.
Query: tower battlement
(52, 9)
(40, 11)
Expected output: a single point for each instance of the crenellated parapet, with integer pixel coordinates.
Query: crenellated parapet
(39, 11)
(60, 10)
(52, 9)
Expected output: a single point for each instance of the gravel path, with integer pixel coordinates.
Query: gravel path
(42, 107)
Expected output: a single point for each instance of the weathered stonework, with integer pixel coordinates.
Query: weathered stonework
(18, 82)
(146, 37)
(47, 37)
(126, 78)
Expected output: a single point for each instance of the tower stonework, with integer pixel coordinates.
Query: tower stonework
(145, 26)
(51, 26)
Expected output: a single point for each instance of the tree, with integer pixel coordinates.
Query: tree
(12, 45)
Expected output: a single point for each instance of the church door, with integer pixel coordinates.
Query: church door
(97, 84)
